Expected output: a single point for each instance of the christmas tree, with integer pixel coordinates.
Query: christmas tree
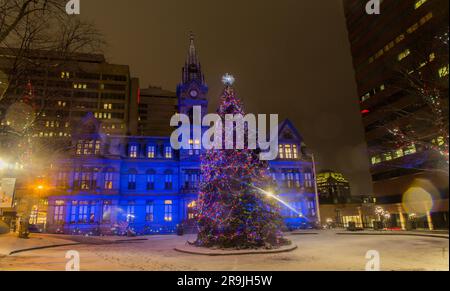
(234, 210)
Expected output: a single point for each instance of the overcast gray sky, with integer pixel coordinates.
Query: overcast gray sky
(290, 57)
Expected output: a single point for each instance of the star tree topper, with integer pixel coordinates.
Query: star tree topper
(228, 79)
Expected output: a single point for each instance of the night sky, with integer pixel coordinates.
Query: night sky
(290, 57)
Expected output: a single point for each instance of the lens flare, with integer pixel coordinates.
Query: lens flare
(419, 197)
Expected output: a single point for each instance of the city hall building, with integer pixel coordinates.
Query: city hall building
(111, 183)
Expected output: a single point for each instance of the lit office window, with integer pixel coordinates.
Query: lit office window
(443, 72)
(387, 156)
(410, 150)
(404, 54)
(398, 154)
(376, 160)
(419, 3)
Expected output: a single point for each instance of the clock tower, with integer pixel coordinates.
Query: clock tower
(192, 91)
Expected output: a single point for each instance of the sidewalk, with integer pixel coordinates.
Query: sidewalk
(423, 233)
(10, 243)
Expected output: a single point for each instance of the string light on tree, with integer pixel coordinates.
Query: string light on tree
(232, 209)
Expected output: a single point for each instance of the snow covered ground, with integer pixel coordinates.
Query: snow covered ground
(325, 251)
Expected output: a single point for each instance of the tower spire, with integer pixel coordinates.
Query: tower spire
(192, 57)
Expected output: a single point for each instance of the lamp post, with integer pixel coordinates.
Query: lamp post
(316, 192)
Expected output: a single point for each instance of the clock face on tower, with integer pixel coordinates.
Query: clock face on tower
(193, 93)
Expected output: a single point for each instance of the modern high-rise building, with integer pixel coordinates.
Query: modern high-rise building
(333, 188)
(156, 106)
(400, 59)
(65, 88)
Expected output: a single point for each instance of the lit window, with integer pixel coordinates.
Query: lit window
(281, 151)
(149, 211)
(83, 212)
(73, 212)
(109, 180)
(404, 54)
(419, 3)
(410, 150)
(365, 97)
(399, 38)
(376, 160)
(308, 180)
(295, 151)
(168, 210)
(413, 28)
(131, 212)
(288, 151)
(440, 141)
(387, 156)
(106, 211)
(398, 153)
(58, 217)
(151, 152)
(443, 72)
(432, 57)
(168, 152)
(133, 151)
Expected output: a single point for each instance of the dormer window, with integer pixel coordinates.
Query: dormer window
(288, 151)
(133, 151)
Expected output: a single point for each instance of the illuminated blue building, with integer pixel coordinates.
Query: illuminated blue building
(109, 184)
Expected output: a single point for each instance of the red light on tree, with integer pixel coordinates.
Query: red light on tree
(365, 111)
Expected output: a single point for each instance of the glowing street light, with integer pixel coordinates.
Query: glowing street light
(3, 165)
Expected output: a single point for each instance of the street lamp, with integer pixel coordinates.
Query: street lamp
(316, 192)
